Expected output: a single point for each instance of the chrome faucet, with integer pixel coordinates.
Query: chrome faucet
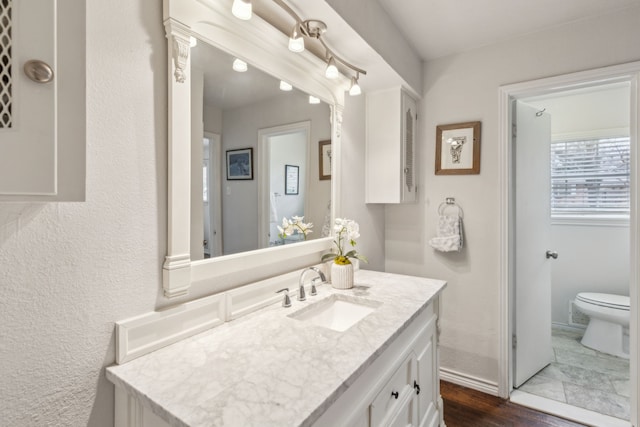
(301, 293)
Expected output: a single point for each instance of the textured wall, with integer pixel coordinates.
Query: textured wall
(462, 88)
(69, 270)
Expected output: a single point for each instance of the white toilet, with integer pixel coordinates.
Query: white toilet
(608, 329)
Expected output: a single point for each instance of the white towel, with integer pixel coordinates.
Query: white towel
(449, 234)
(273, 212)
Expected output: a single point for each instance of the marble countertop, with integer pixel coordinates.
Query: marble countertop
(269, 369)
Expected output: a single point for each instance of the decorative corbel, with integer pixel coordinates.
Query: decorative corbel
(336, 120)
(179, 46)
(181, 49)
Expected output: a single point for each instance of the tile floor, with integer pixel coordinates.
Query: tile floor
(583, 377)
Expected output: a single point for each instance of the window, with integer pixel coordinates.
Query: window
(590, 178)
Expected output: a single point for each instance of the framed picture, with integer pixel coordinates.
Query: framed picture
(240, 164)
(325, 159)
(458, 149)
(291, 175)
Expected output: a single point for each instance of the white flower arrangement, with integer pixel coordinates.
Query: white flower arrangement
(346, 230)
(294, 226)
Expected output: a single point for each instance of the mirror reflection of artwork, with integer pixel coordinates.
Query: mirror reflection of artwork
(325, 160)
(240, 164)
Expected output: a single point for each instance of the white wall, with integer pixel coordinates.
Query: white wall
(69, 270)
(462, 88)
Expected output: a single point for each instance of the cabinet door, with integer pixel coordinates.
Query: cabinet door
(397, 393)
(27, 125)
(409, 118)
(426, 348)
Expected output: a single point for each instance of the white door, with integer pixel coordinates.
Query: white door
(212, 196)
(532, 329)
(27, 105)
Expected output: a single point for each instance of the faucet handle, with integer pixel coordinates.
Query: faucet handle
(287, 301)
(313, 285)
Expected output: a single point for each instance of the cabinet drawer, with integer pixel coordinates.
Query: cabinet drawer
(394, 391)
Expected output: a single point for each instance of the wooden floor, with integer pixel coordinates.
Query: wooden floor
(464, 407)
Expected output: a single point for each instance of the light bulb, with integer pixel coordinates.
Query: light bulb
(296, 42)
(313, 100)
(239, 65)
(332, 71)
(242, 9)
(193, 42)
(354, 90)
(285, 86)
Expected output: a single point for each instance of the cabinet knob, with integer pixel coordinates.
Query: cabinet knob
(416, 386)
(395, 394)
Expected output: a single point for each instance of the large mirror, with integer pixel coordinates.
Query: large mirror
(239, 155)
(255, 157)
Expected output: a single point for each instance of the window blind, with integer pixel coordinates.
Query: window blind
(590, 177)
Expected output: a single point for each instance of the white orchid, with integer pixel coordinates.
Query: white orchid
(346, 230)
(294, 226)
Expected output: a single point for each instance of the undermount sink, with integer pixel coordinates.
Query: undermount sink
(337, 312)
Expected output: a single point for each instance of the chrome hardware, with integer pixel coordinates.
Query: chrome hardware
(552, 254)
(313, 285)
(38, 71)
(416, 386)
(287, 301)
(395, 394)
(301, 295)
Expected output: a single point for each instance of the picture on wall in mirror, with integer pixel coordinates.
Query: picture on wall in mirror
(291, 175)
(240, 164)
(458, 149)
(325, 160)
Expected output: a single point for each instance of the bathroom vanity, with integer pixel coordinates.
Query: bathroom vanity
(280, 366)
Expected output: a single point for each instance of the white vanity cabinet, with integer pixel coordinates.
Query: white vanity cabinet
(391, 117)
(401, 387)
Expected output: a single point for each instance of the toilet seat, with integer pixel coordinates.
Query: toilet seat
(616, 302)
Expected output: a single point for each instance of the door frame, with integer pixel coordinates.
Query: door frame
(629, 72)
(215, 191)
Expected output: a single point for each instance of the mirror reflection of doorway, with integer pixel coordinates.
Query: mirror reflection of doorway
(211, 195)
(280, 147)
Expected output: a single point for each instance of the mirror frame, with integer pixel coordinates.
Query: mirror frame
(263, 46)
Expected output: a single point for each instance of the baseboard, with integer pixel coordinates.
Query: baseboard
(469, 381)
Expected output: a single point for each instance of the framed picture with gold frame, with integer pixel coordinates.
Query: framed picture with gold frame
(324, 155)
(458, 149)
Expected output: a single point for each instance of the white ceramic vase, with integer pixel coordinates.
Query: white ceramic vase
(342, 276)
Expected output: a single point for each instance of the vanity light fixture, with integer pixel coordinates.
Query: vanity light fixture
(310, 28)
(193, 42)
(296, 41)
(332, 70)
(242, 9)
(313, 100)
(354, 90)
(285, 86)
(239, 65)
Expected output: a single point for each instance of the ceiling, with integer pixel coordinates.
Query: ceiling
(437, 28)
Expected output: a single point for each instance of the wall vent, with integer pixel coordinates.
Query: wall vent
(576, 317)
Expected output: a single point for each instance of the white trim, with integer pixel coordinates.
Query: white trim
(560, 409)
(143, 334)
(618, 73)
(469, 381)
(592, 134)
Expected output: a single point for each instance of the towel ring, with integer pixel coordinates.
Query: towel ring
(450, 202)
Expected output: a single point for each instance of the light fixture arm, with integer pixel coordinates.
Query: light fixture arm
(314, 28)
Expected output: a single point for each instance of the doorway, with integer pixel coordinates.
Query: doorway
(283, 154)
(626, 74)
